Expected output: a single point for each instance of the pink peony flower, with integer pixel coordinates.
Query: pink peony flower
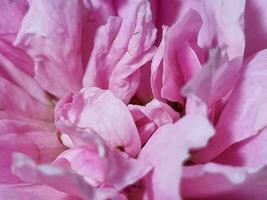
(133, 99)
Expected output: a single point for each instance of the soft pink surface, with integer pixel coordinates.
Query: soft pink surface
(133, 99)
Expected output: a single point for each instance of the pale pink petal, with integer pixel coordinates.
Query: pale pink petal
(223, 24)
(213, 84)
(116, 169)
(213, 181)
(222, 28)
(12, 13)
(167, 149)
(58, 178)
(245, 113)
(148, 118)
(51, 34)
(121, 47)
(98, 110)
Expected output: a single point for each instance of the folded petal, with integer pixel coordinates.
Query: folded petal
(215, 181)
(222, 36)
(50, 33)
(167, 149)
(180, 62)
(121, 47)
(98, 110)
(148, 118)
(244, 114)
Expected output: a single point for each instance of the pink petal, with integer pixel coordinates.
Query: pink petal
(223, 25)
(148, 118)
(95, 15)
(213, 84)
(222, 28)
(12, 13)
(116, 169)
(214, 181)
(26, 106)
(144, 92)
(93, 106)
(170, 144)
(250, 152)
(39, 145)
(32, 191)
(167, 12)
(245, 113)
(255, 26)
(121, 47)
(175, 66)
(58, 178)
(50, 33)
(17, 67)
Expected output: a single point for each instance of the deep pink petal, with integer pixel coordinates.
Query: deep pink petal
(255, 26)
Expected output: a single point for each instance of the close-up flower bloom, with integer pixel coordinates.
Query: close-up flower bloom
(133, 99)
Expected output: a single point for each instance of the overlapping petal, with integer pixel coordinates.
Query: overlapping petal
(151, 116)
(167, 149)
(122, 46)
(94, 106)
(244, 114)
